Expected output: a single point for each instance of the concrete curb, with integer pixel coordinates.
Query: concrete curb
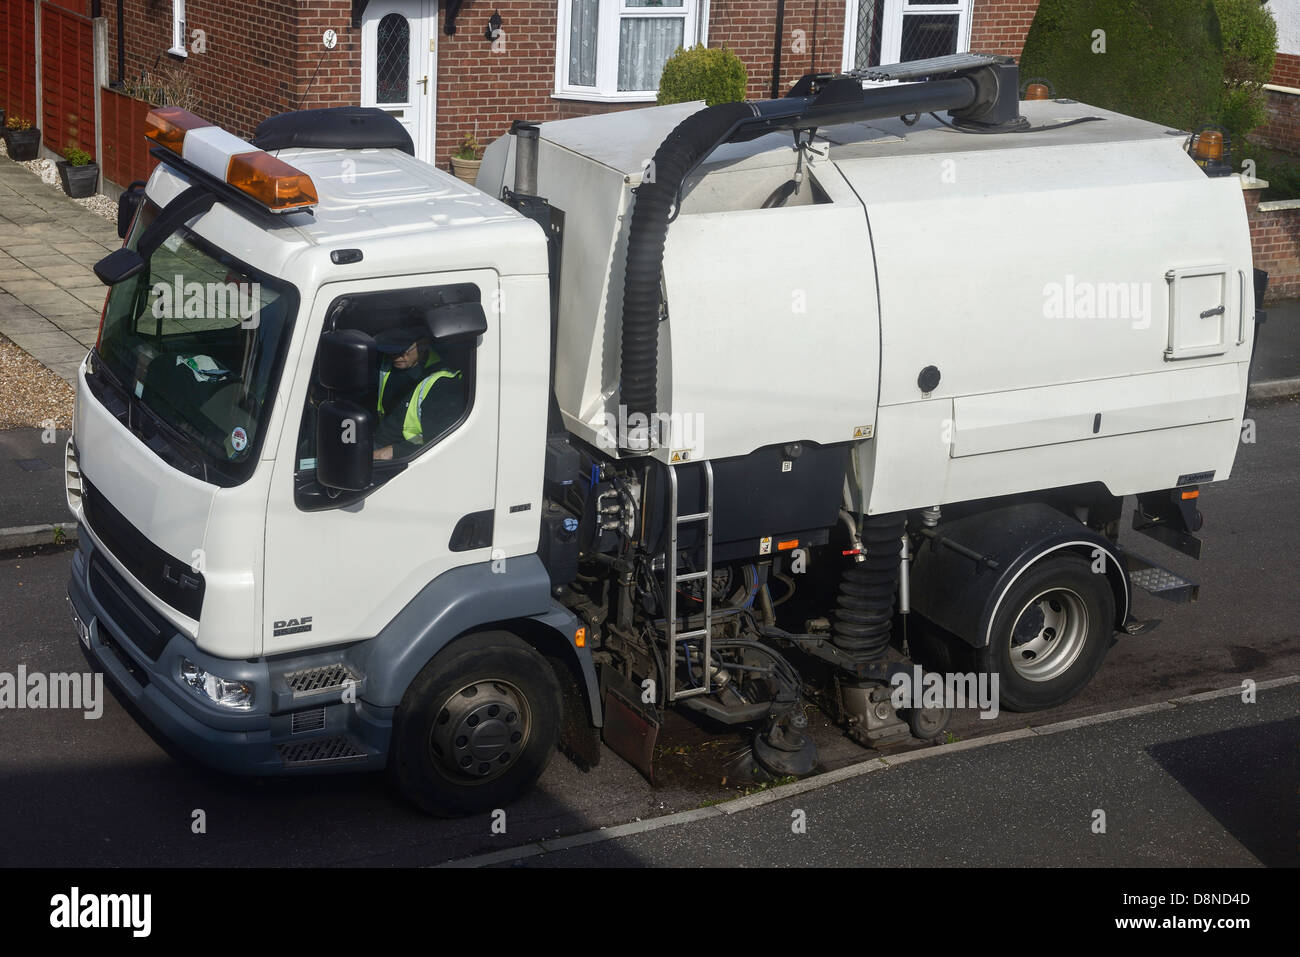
(1273, 388)
(28, 536)
(761, 798)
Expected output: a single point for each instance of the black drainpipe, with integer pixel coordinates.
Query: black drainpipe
(121, 47)
(776, 48)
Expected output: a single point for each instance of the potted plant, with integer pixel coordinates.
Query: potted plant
(78, 172)
(22, 139)
(466, 160)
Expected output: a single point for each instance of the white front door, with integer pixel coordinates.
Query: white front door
(398, 65)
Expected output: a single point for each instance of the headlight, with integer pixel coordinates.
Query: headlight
(237, 695)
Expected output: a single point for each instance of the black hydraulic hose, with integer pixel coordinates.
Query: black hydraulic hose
(693, 139)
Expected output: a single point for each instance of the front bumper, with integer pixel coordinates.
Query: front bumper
(298, 723)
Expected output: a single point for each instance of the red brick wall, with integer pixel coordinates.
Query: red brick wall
(262, 57)
(1281, 131)
(1000, 26)
(1286, 70)
(746, 27)
(1275, 236)
(481, 92)
(249, 70)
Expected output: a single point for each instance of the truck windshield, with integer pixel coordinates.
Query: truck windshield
(197, 338)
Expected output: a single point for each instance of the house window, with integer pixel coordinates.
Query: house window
(896, 31)
(616, 49)
(178, 28)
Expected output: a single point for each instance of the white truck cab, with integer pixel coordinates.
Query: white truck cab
(378, 469)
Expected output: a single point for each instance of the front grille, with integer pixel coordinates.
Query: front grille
(321, 751)
(171, 579)
(147, 630)
(135, 671)
(307, 721)
(319, 680)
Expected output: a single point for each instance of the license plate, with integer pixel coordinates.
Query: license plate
(83, 630)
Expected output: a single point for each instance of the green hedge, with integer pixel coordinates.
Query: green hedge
(1182, 63)
(1163, 59)
(714, 75)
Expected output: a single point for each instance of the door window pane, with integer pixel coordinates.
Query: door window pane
(928, 35)
(644, 45)
(584, 19)
(393, 60)
(871, 15)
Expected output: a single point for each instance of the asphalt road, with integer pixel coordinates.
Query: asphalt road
(104, 793)
(1206, 784)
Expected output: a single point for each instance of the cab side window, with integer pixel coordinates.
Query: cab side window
(423, 386)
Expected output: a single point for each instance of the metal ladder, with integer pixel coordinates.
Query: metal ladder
(673, 580)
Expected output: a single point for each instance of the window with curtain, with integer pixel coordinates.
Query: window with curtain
(616, 49)
(896, 31)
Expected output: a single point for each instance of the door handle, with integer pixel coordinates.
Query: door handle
(424, 83)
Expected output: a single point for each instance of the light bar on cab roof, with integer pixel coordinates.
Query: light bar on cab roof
(257, 174)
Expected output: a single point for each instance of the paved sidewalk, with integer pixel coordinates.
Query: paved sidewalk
(50, 300)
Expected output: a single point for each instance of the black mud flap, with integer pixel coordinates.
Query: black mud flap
(631, 728)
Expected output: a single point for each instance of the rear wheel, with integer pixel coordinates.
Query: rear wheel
(1052, 630)
(476, 727)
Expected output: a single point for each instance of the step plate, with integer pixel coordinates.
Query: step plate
(1161, 582)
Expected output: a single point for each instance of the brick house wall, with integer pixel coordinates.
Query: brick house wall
(266, 57)
(1000, 26)
(1275, 238)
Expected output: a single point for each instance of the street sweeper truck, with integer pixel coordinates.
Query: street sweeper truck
(736, 411)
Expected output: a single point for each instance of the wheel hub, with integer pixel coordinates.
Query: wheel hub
(1049, 634)
(481, 730)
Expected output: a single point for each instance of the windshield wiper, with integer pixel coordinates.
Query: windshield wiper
(136, 405)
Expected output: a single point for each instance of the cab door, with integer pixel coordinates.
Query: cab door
(339, 568)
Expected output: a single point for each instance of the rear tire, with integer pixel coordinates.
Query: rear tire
(1051, 633)
(477, 726)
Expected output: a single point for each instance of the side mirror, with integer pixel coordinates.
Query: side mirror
(119, 266)
(347, 361)
(456, 322)
(345, 446)
(127, 204)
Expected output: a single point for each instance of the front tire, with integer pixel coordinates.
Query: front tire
(1051, 633)
(477, 726)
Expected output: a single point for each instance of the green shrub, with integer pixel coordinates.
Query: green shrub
(77, 157)
(1163, 59)
(714, 75)
(1282, 174)
(1249, 48)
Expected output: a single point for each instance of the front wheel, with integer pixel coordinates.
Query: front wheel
(1050, 634)
(476, 727)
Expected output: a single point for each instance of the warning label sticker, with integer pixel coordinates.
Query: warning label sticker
(765, 546)
(863, 431)
(679, 455)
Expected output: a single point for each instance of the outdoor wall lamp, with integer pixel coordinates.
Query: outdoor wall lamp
(493, 26)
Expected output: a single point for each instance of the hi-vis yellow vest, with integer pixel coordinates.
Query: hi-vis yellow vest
(412, 431)
(430, 361)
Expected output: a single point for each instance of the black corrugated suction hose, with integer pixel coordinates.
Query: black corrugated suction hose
(864, 612)
(692, 139)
